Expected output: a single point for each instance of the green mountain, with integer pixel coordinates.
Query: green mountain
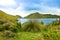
(8, 17)
(38, 15)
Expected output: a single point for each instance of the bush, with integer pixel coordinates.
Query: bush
(32, 25)
(8, 34)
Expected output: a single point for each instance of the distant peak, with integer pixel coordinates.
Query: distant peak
(36, 12)
(0, 10)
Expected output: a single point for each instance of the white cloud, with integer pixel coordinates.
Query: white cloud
(50, 10)
(7, 2)
(20, 10)
(44, 9)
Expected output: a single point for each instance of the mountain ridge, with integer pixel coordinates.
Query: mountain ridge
(39, 15)
(32, 15)
(8, 17)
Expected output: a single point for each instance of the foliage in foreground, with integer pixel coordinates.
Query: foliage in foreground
(10, 29)
(32, 25)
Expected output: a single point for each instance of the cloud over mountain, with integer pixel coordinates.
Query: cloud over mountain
(25, 7)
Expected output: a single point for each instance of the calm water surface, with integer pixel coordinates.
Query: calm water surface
(45, 20)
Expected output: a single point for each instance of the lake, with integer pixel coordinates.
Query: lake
(45, 20)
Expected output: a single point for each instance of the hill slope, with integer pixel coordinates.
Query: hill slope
(8, 17)
(38, 15)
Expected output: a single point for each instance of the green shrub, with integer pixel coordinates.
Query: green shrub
(32, 25)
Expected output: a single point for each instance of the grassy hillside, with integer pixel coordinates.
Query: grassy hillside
(38, 15)
(10, 29)
(8, 17)
(8, 25)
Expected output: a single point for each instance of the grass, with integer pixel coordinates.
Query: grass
(14, 31)
(50, 34)
(28, 36)
(37, 36)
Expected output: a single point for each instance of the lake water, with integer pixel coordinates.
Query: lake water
(45, 20)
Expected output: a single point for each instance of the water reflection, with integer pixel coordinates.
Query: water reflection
(44, 20)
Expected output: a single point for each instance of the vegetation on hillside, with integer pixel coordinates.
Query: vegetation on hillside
(38, 15)
(8, 17)
(11, 29)
(8, 25)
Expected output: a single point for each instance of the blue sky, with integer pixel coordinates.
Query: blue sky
(26, 7)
